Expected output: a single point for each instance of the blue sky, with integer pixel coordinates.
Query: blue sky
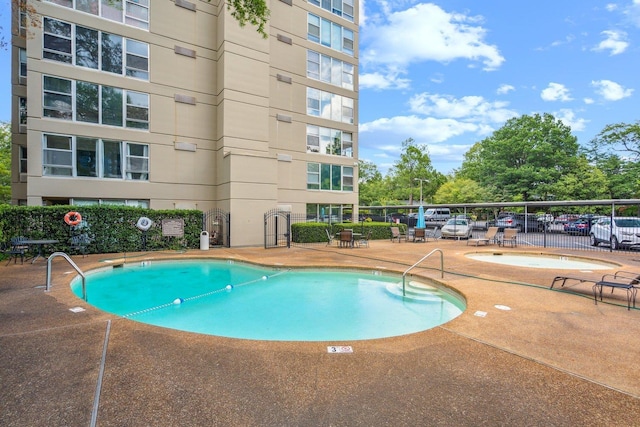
(449, 73)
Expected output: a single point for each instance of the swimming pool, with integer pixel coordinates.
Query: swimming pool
(559, 262)
(244, 301)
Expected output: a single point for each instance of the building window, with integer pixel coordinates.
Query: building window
(87, 47)
(342, 8)
(328, 177)
(78, 156)
(57, 156)
(58, 101)
(95, 49)
(137, 164)
(22, 23)
(23, 159)
(329, 106)
(329, 141)
(137, 110)
(133, 12)
(330, 34)
(87, 104)
(137, 59)
(111, 202)
(57, 41)
(111, 53)
(22, 60)
(329, 70)
(22, 113)
(91, 103)
(137, 13)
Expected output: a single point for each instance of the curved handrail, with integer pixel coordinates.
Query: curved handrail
(73, 264)
(422, 259)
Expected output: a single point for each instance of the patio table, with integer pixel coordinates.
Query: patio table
(39, 243)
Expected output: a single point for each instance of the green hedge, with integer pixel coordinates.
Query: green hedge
(313, 232)
(111, 229)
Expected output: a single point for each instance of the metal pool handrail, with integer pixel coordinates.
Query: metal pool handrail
(73, 264)
(422, 259)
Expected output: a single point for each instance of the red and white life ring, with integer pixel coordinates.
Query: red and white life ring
(73, 218)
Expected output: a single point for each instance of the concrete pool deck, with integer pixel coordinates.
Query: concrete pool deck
(555, 358)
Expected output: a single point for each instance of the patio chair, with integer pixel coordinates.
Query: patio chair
(419, 234)
(16, 248)
(396, 234)
(509, 237)
(79, 243)
(330, 238)
(431, 233)
(489, 237)
(346, 238)
(364, 240)
(630, 282)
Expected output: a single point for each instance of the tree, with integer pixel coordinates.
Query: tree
(414, 165)
(461, 190)
(622, 137)
(585, 182)
(5, 163)
(524, 158)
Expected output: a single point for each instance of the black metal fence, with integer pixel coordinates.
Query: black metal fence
(595, 225)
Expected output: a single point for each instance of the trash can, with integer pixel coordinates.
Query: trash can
(204, 241)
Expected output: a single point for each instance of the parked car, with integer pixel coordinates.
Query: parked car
(564, 218)
(619, 232)
(437, 214)
(520, 222)
(579, 226)
(456, 228)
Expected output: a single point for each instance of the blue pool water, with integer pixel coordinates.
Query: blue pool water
(244, 301)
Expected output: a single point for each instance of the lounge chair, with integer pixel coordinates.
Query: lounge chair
(396, 234)
(509, 237)
(630, 282)
(489, 237)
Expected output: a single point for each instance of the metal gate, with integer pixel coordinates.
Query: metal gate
(277, 226)
(217, 223)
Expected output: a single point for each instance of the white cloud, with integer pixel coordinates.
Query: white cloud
(556, 92)
(379, 81)
(615, 42)
(470, 108)
(421, 129)
(443, 36)
(505, 88)
(610, 91)
(589, 101)
(568, 117)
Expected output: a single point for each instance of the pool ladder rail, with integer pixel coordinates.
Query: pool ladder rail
(404, 275)
(73, 264)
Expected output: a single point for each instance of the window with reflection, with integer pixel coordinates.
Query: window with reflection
(57, 102)
(92, 103)
(329, 141)
(86, 157)
(330, 34)
(94, 49)
(57, 40)
(112, 106)
(22, 58)
(343, 8)
(328, 177)
(57, 155)
(137, 13)
(329, 70)
(111, 53)
(22, 112)
(87, 47)
(87, 105)
(77, 156)
(330, 106)
(23, 159)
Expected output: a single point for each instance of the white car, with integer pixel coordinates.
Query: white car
(456, 228)
(622, 232)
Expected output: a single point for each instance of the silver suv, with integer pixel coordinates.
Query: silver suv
(621, 232)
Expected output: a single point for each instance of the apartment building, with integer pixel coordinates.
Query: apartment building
(171, 104)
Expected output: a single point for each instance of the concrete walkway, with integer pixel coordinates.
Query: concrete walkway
(554, 359)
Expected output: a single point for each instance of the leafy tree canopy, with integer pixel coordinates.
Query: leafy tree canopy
(524, 158)
(5, 163)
